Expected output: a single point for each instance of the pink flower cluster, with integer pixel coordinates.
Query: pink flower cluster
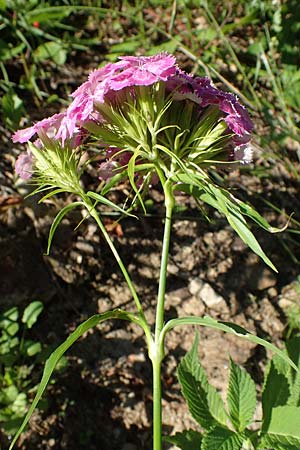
(105, 84)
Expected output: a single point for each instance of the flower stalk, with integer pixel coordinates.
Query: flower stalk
(143, 322)
(157, 351)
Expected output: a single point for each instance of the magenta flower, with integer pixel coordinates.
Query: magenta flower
(104, 105)
(201, 91)
(50, 125)
(24, 165)
(129, 71)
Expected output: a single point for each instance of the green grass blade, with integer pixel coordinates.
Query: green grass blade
(99, 198)
(57, 221)
(230, 328)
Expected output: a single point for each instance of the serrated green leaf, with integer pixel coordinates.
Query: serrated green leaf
(205, 404)
(241, 397)
(284, 428)
(60, 351)
(57, 221)
(276, 380)
(31, 313)
(187, 440)
(293, 350)
(220, 438)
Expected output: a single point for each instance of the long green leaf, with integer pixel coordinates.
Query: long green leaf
(220, 438)
(233, 209)
(241, 397)
(59, 352)
(107, 202)
(227, 204)
(58, 219)
(228, 327)
(242, 229)
(247, 210)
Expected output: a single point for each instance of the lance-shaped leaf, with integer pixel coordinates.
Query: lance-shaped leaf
(205, 404)
(241, 397)
(58, 219)
(99, 198)
(59, 352)
(230, 328)
(201, 188)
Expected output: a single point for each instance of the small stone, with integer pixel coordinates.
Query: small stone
(195, 286)
(211, 299)
(266, 280)
(290, 295)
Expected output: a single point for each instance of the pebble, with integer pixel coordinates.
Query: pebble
(204, 292)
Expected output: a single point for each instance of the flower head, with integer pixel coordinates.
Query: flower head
(151, 111)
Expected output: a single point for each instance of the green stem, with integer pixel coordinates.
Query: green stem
(169, 202)
(92, 211)
(156, 351)
(157, 409)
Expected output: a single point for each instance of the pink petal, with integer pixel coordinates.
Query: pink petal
(24, 165)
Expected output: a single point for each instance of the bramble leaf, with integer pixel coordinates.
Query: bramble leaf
(241, 397)
(276, 380)
(283, 430)
(187, 440)
(293, 350)
(220, 438)
(205, 404)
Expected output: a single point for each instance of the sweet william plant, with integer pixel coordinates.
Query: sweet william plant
(150, 122)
